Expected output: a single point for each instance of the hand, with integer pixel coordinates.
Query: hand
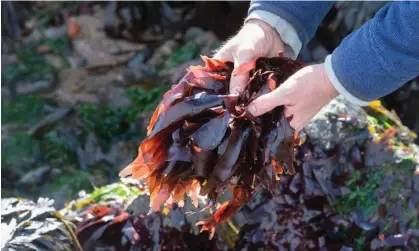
(255, 39)
(303, 95)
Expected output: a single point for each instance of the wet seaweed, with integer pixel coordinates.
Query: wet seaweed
(201, 139)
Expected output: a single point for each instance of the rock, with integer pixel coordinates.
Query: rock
(121, 154)
(57, 61)
(192, 33)
(36, 176)
(145, 75)
(77, 62)
(5, 93)
(116, 97)
(27, 225)
(20, 154)
(122, 20)
(95, 46)
(99, 173)
(115, 49)
(326, 133)
(138, 61)
(55, 32)
(40, 86)
(7, 45)
(142, 21)
(12, 20)
(91, 157)
(48, 122)
(161, 53)
(207, 41)
(77, 86)
(416, 181)
(141, 205)
(7, 60)
(129, 77)
(376, 244)
(90, 154)
(38, 35)
(175, 219)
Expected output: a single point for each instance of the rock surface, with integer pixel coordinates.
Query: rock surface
(26, 225)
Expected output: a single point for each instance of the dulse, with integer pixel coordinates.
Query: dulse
(201, 139)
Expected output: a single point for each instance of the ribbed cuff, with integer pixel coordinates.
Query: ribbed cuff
(287, 32)
(338, 85)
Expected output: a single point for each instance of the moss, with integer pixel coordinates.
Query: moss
(182, 54)
(361, 196)
(112, 124)
(72, 182)
(18, 148)
(34, 65)
(57, 150)
(106, 121)
(146, 100)
(21, 109)
(112, 192)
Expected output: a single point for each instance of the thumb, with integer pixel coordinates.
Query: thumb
(269, 101)
(239, 81)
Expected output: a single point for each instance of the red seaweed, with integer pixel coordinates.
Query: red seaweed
(200, 136)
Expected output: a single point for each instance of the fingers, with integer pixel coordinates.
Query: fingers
(267, 102)
(223, 54)
(293, 119)
(239, 81)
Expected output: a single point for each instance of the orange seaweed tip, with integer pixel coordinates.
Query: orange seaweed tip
(197, 149)
(126, 171)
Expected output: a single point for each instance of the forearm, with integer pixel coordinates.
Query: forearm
(296, 22)
(379, 57)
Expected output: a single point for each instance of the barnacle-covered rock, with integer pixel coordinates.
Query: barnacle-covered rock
(26, 225)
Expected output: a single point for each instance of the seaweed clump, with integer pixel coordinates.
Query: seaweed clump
(202, 140)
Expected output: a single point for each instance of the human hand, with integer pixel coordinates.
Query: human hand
(303, 95)
(255, 39)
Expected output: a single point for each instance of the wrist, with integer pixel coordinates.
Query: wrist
(338, 85)
(329, 89)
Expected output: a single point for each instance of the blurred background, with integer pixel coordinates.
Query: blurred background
(81, 79)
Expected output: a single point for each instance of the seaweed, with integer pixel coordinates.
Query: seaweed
(201, 139)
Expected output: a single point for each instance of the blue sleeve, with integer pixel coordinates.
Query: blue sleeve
(305, 17)
(382, 55)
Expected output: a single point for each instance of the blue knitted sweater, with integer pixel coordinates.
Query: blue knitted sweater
(373, 61)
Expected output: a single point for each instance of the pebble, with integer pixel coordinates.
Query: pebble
(77, 62)
(48, 122)
(24, 88)
(192, 33)
(114, 49)
(139, 59)
(7, 60)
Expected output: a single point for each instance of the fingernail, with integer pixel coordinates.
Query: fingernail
(252, 109)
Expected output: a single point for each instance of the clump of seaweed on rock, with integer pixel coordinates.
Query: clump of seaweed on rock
(202, 140)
